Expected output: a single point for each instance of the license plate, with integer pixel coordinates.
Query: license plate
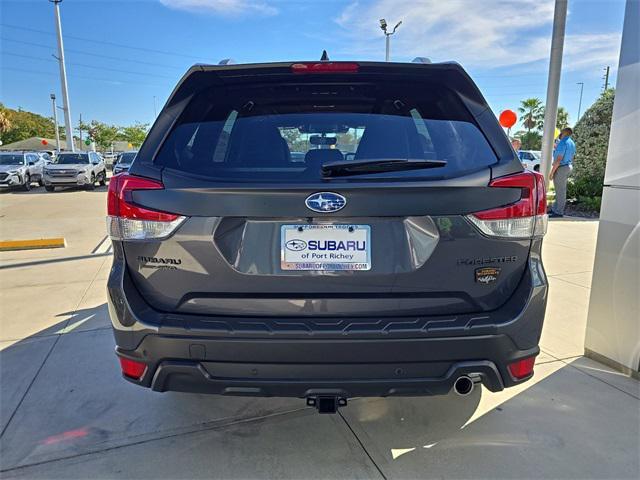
(325, 247)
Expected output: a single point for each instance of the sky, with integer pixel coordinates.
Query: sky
(124, 57)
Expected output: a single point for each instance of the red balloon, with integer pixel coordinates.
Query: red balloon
(44, 142)
(508, 118)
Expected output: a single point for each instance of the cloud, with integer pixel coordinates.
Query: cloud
(222, 7)
(487, 33)
(587, 51)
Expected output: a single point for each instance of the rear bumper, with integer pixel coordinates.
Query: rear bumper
(198, 378)
(301, 369)
(418, 356)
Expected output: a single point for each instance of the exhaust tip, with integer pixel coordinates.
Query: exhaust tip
(463, 386)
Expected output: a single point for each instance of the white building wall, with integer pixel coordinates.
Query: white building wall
(613, 325)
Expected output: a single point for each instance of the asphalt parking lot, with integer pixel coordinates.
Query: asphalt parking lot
(66, 413)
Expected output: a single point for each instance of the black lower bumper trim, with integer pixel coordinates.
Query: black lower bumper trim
(187, 376)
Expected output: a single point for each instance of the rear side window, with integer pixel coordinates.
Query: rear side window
(285, 133)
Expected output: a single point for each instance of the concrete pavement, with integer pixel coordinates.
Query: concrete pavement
(66, 413)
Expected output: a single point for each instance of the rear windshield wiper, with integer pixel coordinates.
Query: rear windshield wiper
(360, 167)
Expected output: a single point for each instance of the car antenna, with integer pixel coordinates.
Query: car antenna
(325, 56)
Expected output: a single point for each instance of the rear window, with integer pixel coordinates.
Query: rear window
(285, 133)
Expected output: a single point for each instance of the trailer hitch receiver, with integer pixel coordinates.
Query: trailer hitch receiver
(326, 404)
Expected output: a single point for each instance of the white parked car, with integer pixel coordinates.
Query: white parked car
(20, 169)
(82, 169)
(530, 159)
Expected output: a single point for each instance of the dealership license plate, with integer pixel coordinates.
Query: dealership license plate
(325, 247)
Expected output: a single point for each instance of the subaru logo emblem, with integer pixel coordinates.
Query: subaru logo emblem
(296, 245)
(325, 202)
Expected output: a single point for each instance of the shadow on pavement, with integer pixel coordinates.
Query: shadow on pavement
(38, 189)
(53, 260)
(68, 413)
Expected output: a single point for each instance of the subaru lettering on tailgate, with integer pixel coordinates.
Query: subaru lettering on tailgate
(326, 247)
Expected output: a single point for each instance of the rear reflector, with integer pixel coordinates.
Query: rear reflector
(132, 368)
(128, 221)
(325, 67)
(522, 368)
(526, 218)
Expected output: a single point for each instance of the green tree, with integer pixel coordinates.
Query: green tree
(103, 134)
(296, 141)
(134, 134)
(83, 127)
(530, 140)
(5, 123)
(562, 120)
(532, 111)
(591, 135)
(21, 125)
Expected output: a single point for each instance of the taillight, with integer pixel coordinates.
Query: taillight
(526, 218)
(325, 67)
(132, 368)
(522, 368)
(128, 221)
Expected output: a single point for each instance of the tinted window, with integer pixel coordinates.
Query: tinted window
(72, 158)
(126, 158)
(285, 133)
(9, 159)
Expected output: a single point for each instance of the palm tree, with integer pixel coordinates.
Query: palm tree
(5, 123)
(532, 111)
(562, 120)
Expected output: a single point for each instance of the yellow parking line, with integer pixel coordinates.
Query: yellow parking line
(7, 245)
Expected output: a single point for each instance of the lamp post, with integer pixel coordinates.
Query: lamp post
(580, 101)
(63, 78)
(553, 86)
(55, 121)
(383, 26)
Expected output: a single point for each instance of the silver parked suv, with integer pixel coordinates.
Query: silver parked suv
(19, 169)
(75, 169)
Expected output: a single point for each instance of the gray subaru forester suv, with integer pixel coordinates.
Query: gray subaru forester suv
(400, 256)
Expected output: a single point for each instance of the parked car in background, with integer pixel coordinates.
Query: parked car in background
(20, 169)
(123, 162)
(530, 159)
(297, 156)
(82, 169)
(46, 157)
(406, 263)
(110, 159)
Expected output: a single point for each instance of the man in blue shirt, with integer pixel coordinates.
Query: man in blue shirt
(561, 169)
